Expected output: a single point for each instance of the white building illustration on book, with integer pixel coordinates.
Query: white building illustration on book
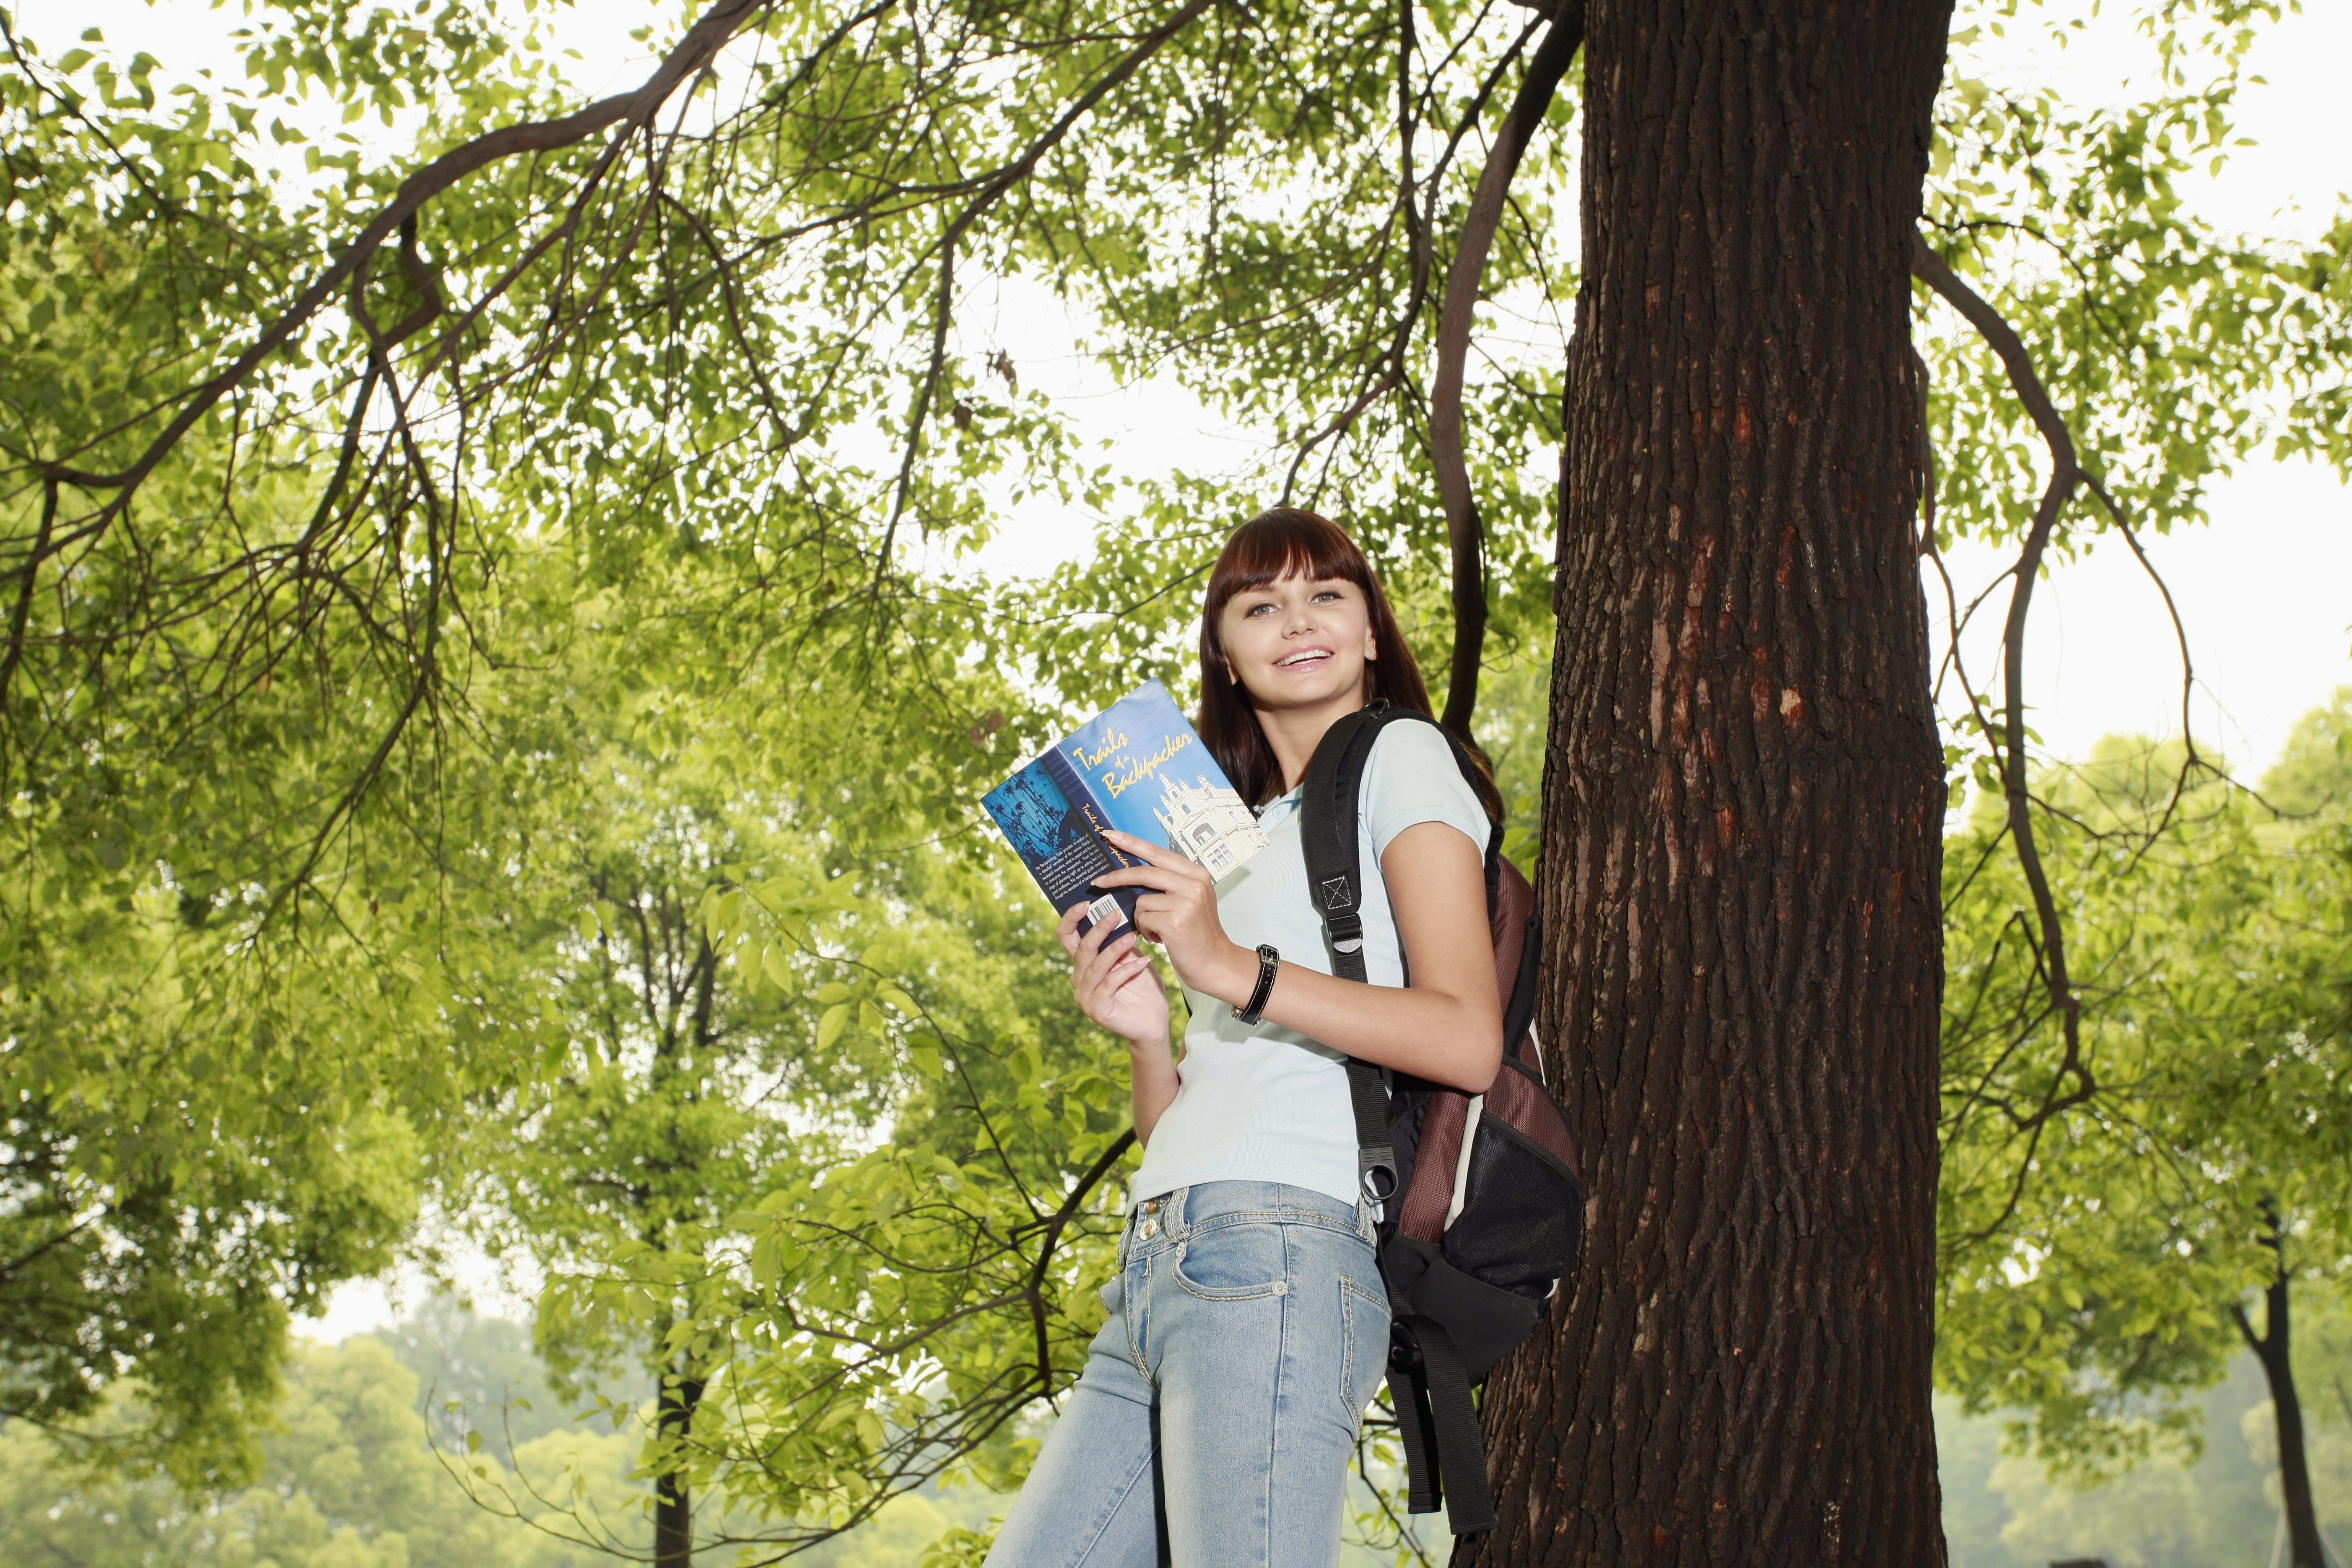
(1209, 824)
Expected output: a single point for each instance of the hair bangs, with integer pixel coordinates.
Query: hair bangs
(1285, 542)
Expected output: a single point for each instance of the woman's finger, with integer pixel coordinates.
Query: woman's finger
(1143, 850)
(1118, 968)
(1093, 948)
(1159, 858)
(1097, 934)
(1099, 959)
(1161, 876)
(1167, 904)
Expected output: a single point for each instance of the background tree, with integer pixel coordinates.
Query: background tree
(2214, 1170)
(350, 1482)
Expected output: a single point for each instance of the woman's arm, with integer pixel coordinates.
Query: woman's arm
(1446, 1025)
(1119, 988)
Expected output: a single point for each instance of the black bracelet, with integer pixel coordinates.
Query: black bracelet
(1268, 961)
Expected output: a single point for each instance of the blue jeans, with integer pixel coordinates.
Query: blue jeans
(1221, 1402)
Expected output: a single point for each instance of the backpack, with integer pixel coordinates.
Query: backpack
(1481, 1209)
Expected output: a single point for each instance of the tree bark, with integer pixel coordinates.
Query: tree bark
(2286, 1409)
(1744, 801)
(673, 1500)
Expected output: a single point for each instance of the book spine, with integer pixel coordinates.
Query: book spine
(1081, 796)
(1119, 901)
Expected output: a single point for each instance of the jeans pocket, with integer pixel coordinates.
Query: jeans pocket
(1364, 1319)
(1235, 1262)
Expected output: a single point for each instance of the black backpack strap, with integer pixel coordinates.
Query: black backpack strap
(1329, 815)
(1327, 830)
(1461, 1453)
(1409, 1393)
(1436, 1419)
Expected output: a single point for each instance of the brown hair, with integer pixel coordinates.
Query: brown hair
(1283, 541)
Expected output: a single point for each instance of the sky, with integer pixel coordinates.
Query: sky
(2264, 591)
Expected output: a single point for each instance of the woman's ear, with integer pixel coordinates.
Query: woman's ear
(1233, 676)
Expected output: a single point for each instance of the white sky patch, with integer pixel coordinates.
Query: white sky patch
(497, 1288)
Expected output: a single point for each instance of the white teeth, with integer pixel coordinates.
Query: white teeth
(1309, 656)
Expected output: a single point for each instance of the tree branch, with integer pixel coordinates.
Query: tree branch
(1465, 535)
(2065, 477)
(1378, 383)
(989, 192)
(20, 616)
(702, 41)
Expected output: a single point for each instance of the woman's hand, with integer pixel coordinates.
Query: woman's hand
(1115, 985)
(1179, 912)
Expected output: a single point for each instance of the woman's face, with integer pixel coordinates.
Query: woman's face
(1298, 642)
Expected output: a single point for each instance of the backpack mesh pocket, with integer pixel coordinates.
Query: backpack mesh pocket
(1520, 1214)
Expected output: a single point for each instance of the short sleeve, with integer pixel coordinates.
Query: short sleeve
(1412, 778)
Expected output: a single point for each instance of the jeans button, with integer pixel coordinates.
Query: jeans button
(1281, 1287)
(1152, 1228)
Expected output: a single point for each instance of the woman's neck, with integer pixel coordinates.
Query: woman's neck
(1295, 732)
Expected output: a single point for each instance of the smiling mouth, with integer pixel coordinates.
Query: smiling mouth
(1302, 657)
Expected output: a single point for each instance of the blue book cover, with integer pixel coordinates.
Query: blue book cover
(1138, 767)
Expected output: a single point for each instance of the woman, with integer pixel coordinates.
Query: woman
(1248, 1325)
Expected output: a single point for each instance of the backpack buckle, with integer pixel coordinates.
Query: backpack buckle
(1347, 929)
(1376, 1170)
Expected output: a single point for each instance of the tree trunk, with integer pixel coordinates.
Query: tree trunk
(1743, 813)
(673, 1502)
(2294, 1464)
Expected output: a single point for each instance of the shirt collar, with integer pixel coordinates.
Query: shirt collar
(1279, 808)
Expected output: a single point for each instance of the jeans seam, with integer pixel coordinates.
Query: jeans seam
(1271, 1216)
(1274, 1421)
(1356, 1399)
(1117, 1500)
(1203, 1293)
(1127, 1315)
(1346, 1347)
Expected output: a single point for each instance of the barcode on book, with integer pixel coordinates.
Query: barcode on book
(1103, 909)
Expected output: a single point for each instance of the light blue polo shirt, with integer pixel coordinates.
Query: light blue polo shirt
(1264, 1103)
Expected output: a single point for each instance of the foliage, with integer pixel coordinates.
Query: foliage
(347, 1481)
(2093, 1277)
(2005, 1511)
(2171, 348)
(2313, 775)
(480, 1372)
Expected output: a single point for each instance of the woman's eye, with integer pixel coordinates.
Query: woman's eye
(1258, 609)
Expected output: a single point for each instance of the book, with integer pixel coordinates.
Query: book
(1138, 767)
